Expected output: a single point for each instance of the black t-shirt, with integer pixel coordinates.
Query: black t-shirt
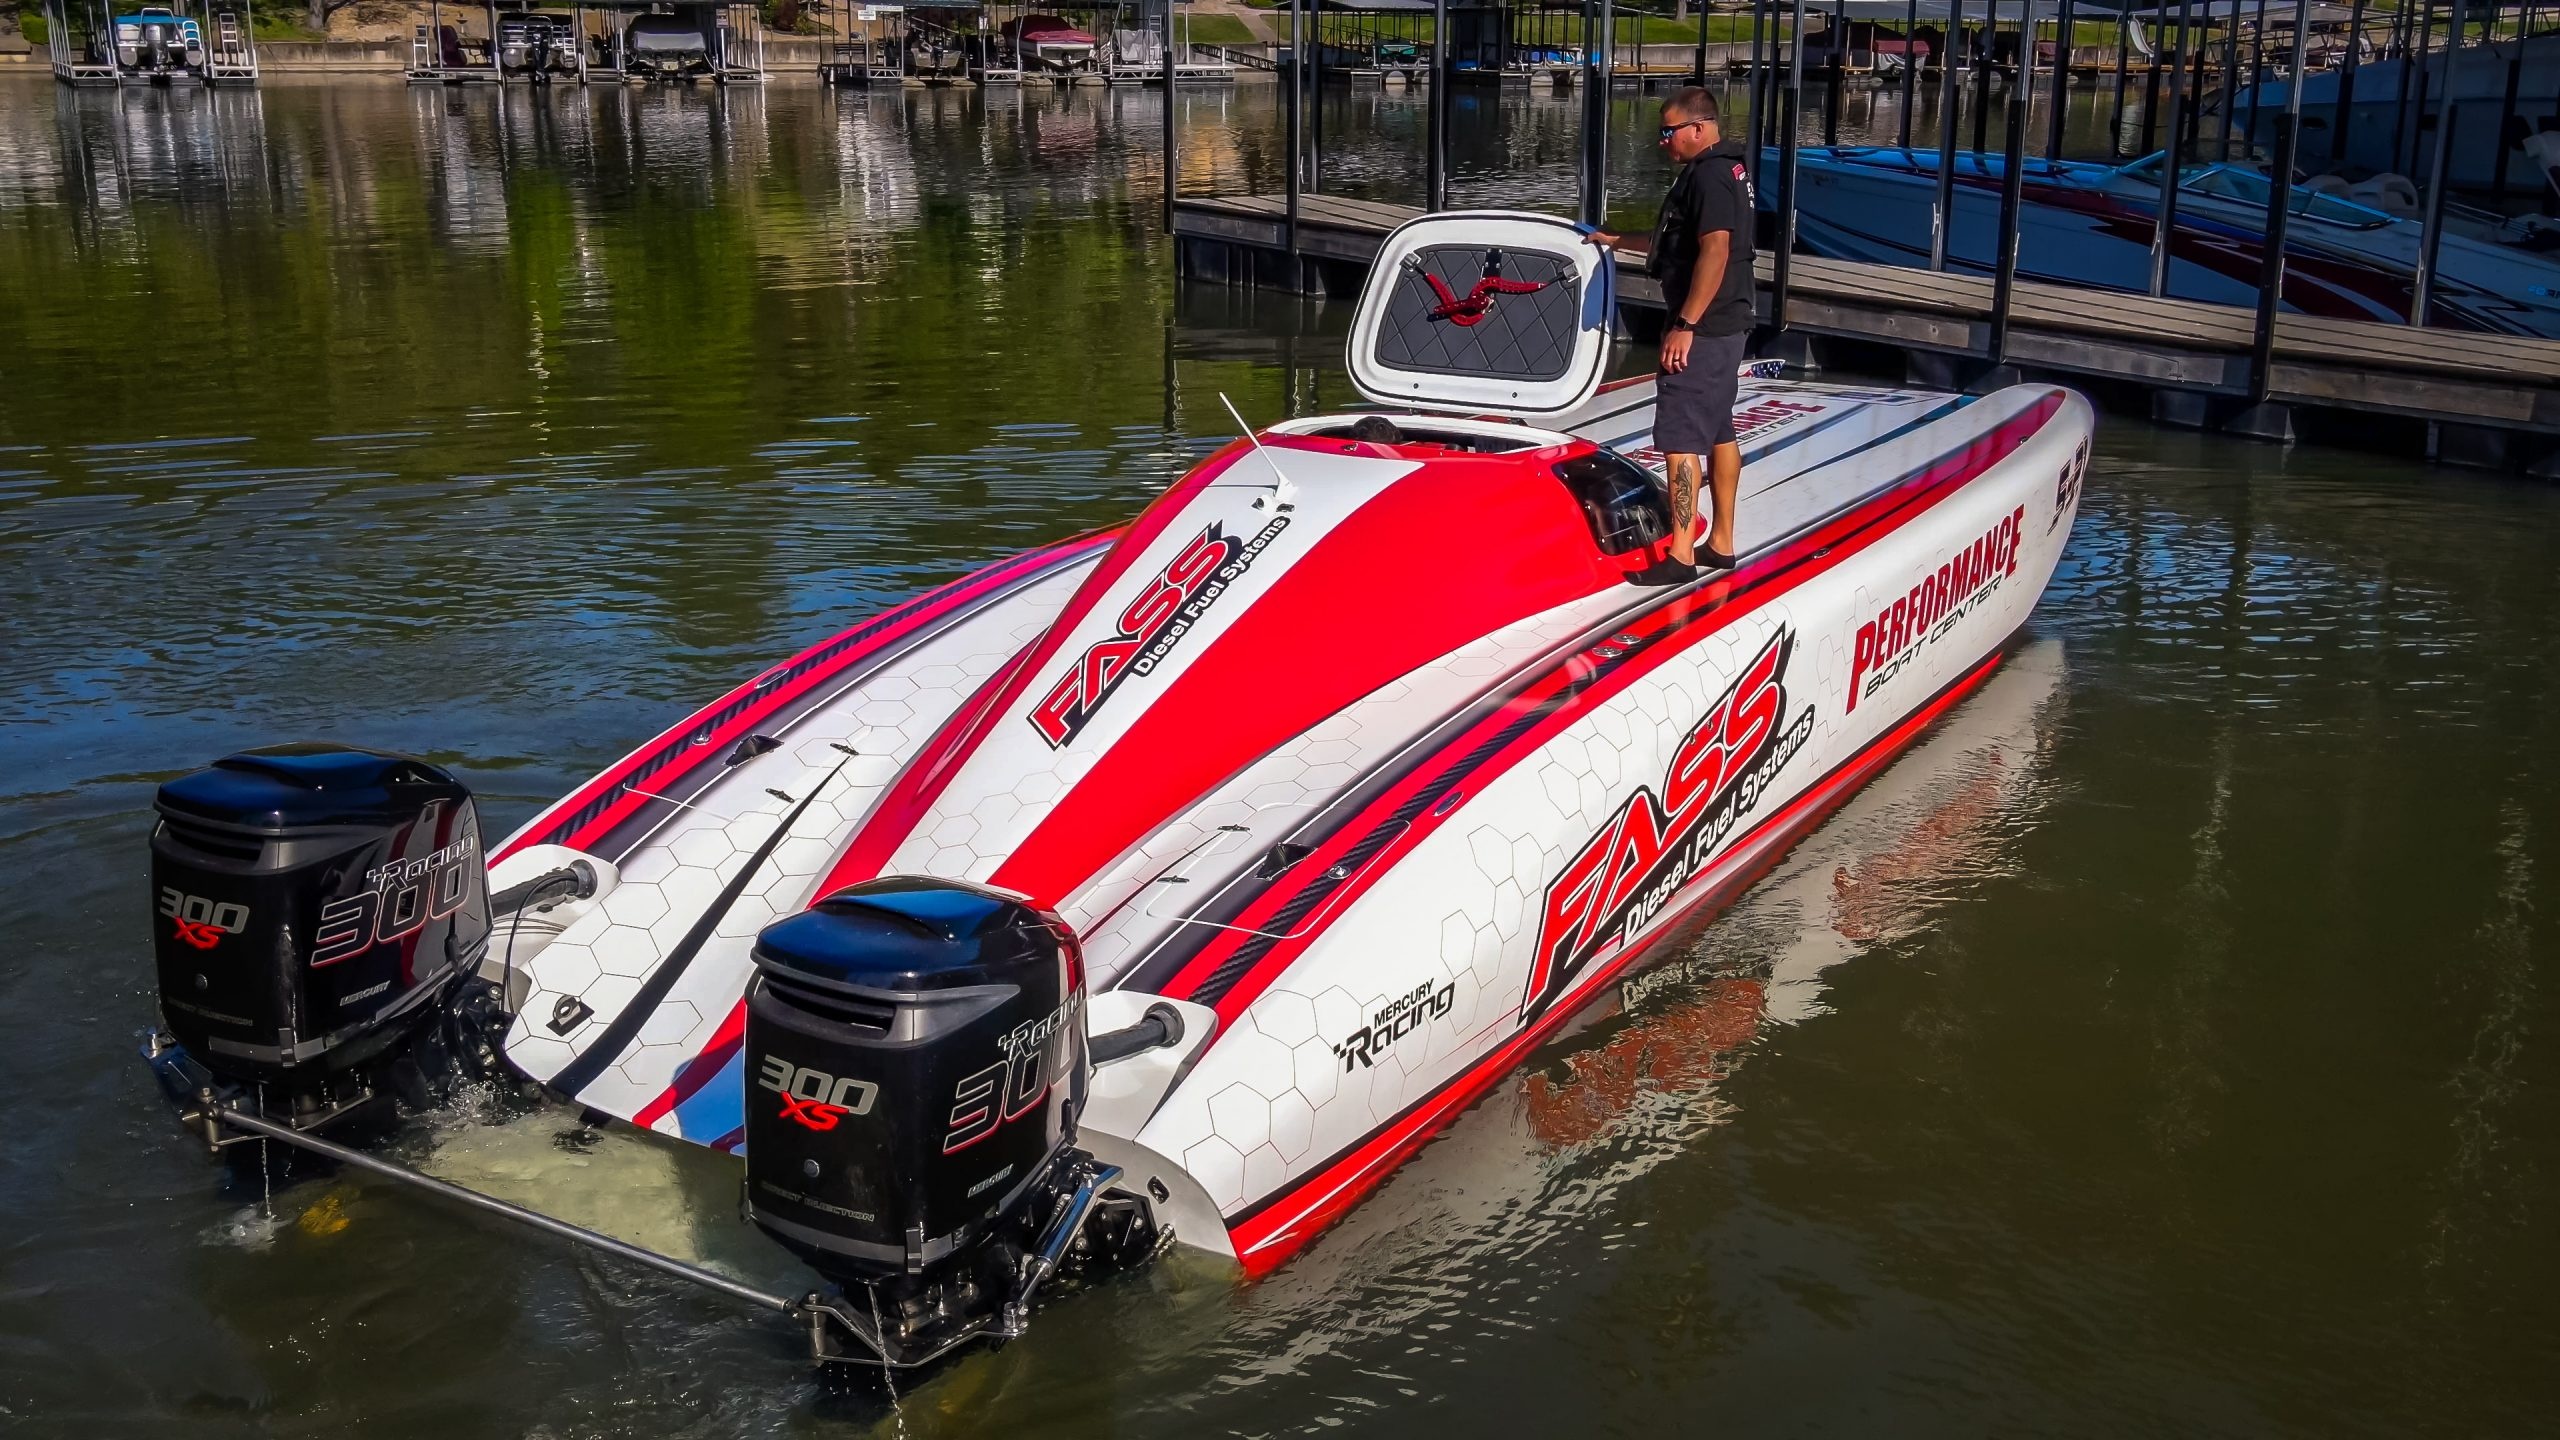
(1711, 193)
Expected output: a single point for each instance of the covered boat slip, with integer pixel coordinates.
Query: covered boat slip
(2483, 399)
(122, 42)
(458, 42)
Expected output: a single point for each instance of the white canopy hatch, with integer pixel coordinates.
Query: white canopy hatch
(1484, 312)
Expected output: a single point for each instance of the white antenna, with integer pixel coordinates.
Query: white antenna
(1282, 492)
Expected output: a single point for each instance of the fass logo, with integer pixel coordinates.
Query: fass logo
(1155, 622)
(1943, 596)
(1623, 876)
(814, 1098)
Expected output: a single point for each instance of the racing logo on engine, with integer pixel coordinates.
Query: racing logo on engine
(201, 922)
(399, 898)
(1036, 1056)
(1623, 876)
(814, 1098)
(1150, 627)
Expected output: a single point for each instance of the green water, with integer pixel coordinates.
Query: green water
(2182, 1063)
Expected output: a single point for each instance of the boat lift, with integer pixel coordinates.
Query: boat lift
(936, 42)
(870, 46)
(502, 41)
(1134, 45)
(1372, 41)
(992, 58)
(92, 42)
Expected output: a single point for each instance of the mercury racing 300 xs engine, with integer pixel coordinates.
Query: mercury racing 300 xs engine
(915, 1054)
(319, 911)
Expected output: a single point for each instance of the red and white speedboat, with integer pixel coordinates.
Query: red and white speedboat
(1182, 879)
(1045, 42)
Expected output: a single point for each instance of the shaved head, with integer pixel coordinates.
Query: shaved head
(1691, 102)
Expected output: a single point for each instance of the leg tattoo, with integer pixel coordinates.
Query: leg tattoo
(1684, 500)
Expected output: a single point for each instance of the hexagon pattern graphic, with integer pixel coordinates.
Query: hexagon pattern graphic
(1149, 890)
(1455, 923)
(1422, 972)
(668, 884)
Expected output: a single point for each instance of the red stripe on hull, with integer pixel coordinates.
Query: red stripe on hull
(1698, 616)
(1273, 1231)
(911, 796)
(698, 1071)
(696, 745)
(1323, 635)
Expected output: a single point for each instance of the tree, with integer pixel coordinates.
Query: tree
(316, 17)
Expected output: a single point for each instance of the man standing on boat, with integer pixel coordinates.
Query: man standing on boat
(1701, 253)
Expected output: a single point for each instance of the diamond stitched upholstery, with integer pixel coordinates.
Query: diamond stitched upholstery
(1520, 337)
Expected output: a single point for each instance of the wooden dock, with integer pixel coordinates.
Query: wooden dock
(2465, 398)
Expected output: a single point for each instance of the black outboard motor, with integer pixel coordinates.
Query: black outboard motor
(316, 907)
(915, 1061)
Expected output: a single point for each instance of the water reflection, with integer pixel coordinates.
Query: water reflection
(2159, 1054)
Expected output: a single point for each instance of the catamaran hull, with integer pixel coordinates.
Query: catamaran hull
(1474, 849)
(1169, 883)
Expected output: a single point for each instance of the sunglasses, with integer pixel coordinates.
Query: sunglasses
(1668, 131)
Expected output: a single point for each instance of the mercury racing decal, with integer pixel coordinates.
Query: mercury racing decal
(1395, 1020)
(1944, 596)
(1153, 624)
(1623, 876)
(399, 898)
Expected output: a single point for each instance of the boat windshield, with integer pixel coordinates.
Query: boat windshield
(2248, 187)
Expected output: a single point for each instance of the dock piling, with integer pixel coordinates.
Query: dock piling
(1942, 209)
(2165, 219)
(1435, 182)
(1597, 16)
(2013, 177)
(1910, 65)
(1315, 99)
(1834, 75)
(1784, 260)
(2431, 233)
(2124, 57)
(1296, 128)
(2340, 113)
(1760, 82)
(2279, 217)
(2061, 82)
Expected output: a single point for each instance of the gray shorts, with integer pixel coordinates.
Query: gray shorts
(1693, 410)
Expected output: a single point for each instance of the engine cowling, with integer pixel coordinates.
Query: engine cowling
(314, 906)
(914, 1064)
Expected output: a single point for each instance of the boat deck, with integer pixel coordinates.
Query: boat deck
(2484, 398)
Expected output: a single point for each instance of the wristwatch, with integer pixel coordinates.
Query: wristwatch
(1676, 323)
